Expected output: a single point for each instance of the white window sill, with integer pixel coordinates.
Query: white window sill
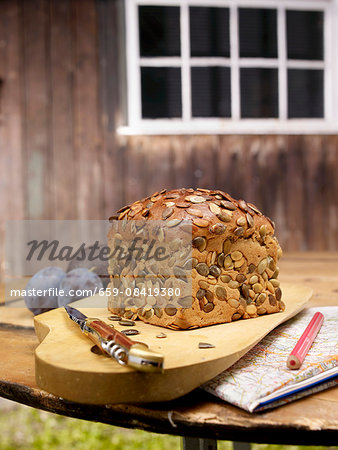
(244, 126)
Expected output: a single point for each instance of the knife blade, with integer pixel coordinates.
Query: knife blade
(124, 350)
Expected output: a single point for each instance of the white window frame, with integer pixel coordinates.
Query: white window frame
(235, 124)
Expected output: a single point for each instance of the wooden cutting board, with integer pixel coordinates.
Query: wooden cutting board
(66, 366)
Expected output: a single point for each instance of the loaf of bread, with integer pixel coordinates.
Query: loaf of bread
(234, 273)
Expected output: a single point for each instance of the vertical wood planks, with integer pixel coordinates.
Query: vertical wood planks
(63, 193)
(87, 131)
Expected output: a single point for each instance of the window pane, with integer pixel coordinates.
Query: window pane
(209, 31)
(210, 89)
(161, 92)
(159, 28)
(305, 93)
(258, 33)
(305, 34)
(259, 93)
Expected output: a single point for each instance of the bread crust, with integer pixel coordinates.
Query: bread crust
(235, 255)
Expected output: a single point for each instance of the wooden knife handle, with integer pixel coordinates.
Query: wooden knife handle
(110, 334)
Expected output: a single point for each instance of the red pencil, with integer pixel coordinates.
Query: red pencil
(296, 358)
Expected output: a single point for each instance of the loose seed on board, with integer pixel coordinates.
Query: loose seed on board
(205, 345)
(130, 332)
(127, 323)
(114, 317)
(161, 335)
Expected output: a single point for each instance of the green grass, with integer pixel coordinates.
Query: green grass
(28, 429)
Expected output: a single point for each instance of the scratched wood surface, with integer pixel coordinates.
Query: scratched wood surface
(311, 421)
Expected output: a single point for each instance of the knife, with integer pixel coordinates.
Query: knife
(116, 344)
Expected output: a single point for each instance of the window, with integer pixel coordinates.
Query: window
(222, 66)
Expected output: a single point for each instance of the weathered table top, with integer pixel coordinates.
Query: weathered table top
(313, 420)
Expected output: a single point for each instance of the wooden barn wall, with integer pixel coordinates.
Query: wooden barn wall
(60, 156)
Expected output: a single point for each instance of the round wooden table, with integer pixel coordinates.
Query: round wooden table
(309, 421)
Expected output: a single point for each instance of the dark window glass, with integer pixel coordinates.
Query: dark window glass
(161, 92)
(209, 31)
(258, 33)
(159, 28)
(210, 89)
(259, 92)
(305, 93)
(305, 34)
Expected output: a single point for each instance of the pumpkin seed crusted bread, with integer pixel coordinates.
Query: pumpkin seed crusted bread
(234, 260)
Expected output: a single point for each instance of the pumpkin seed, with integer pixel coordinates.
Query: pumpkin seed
(226, 246)
(262, 266)
(236, 255)
(225, 278)
(275, 282)
(183, 205)
(228, 263)
(251, 309)
(205, 345)
(250, 220)
(233, 284)
(240, 278)
(215, 271)
(261, 299)
(170, 310)
(217, 228)
(224, 216)
(261, 310)
(202, 223)
(186, 302)
(214, 208)
(262, 231)
(130, 332)
(220, 292)
(161, 335)
(200, 243)
(278, 294)
(220, 259)
(174, 222)
(228, 205)
(272, 300)
(167, 213)
(238, 231)
(195, 212)
(202, 269)
(208, 307)
(168, 204)
(203, 284)
(233, 303)
(251, 268)
(241, 221)
(195, 199)
(127, 323)
(245, 291)
(236, 316)
(242, 204)
(200, 294)
(257, 287)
